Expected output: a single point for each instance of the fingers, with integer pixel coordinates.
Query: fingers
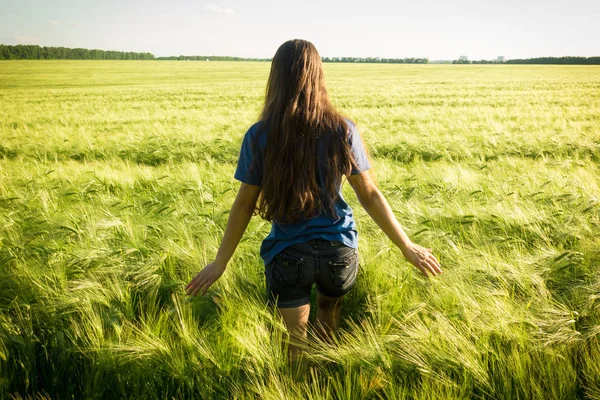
(423, 270)
(202, 286)
(432, 268)
(189, 285)
(194, 281)
(427, 263)
(198, 283)
(197, 286)
(427, 269)
(434, 263)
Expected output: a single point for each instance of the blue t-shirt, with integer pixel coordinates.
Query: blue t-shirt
(322, 226)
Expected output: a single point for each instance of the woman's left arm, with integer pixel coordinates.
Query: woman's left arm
(239, 217)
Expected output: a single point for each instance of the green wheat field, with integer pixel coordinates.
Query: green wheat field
(116, 179)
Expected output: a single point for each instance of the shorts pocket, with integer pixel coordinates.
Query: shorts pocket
(342, 271)
(287, 269)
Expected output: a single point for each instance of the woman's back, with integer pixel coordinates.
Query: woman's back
(337, 224)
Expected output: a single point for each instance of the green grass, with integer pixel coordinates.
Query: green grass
(115, 186)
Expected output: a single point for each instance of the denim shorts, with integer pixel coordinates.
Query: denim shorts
(332, 265)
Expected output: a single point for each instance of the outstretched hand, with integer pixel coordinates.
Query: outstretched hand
(423, 259)
(206, 277)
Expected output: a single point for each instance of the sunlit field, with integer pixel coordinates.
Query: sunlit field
(116, 180)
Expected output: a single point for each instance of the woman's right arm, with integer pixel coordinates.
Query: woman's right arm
(379, 210)
(239, 218)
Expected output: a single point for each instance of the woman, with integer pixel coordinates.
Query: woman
(291, 165)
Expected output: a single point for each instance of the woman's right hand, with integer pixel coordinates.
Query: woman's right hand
(423, 259)
(205, 278)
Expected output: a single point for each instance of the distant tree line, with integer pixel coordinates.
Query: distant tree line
(376, 60)
(540, 60)
(478, 62)
(557, 60)
(211, 58)
(34, 52)
(324, 59)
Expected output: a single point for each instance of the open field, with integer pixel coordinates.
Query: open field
(115, 184)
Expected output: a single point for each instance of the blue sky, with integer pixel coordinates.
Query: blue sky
(435, 29)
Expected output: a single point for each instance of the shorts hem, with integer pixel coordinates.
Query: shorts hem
(293, 303)
(340, 293)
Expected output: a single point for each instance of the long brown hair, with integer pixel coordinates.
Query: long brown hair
(296, 113)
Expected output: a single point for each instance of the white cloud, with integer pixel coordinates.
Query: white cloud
(25, 39)
(54, 22)
(212, 9)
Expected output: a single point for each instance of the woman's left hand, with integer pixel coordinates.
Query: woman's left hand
(205, 278)
(423, 259)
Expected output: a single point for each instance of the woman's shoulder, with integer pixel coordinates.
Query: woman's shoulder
(256, 135)
(256, 129)
(352, 128)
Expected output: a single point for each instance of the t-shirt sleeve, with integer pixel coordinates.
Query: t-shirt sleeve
(250, 162)
(358, 151)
